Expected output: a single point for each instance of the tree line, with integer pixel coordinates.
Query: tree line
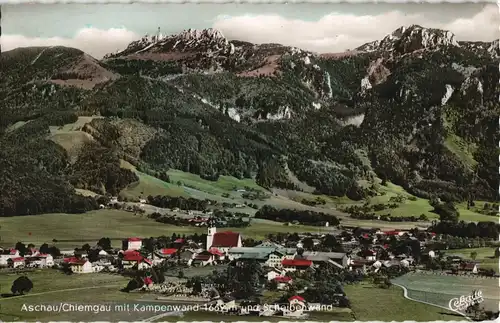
(302, 216)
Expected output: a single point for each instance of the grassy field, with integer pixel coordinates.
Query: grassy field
(53, 287)
(204, 316)
(440, 289)
(485, 256)
(370, 303)
(76, 229)
(419, 206)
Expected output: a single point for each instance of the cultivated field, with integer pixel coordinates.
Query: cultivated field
(440, 289)
(370, 303)
(73, 230)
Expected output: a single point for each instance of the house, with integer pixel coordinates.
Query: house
(166, 252)
(8, 254)
(296, 264)
(273, 273)
(80, 266)
(180, 241)
(359, 264)
(469, 267)
(134, 244)
(131, 258)
(336, 258)
(283, 282)
(369, 255)
(203, 258)
(218, 255)
(148, 282)
(275, 257)
(145, 263)
(297, 305)
(16, 262)
(187, 255)
(224, 304)
(237, 252)
(223, 240)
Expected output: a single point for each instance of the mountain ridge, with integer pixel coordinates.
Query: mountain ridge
(392, 109)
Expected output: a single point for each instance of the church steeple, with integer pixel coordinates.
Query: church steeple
(212, 230)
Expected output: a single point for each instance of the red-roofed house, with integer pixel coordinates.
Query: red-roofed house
(469, 267)
(369, 255)
(216, 252)
(6, 255)
(166, 252)
(283, 282)
(134, 257)
(223, 240)
(41, 260)
(297, 306)
(148, 282)
(296, 264)
(203, 258)
(179, 240)
(134, 243)
(16, 262)
(80, 266)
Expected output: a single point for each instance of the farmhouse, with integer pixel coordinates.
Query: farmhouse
(16, 262)
(166, 252)
(132, 258)
(297, 305)
(39, 261)
(204, 258)
(336, 258)
(133, 244)
(80, 266)
(8, 254)
(283, 282)
(296, 264)
(470, 267)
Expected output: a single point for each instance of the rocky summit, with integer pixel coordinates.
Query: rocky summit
(417, 108)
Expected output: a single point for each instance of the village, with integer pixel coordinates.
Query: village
(300, 266)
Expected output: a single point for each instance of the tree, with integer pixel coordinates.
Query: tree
(329, 242)
(93, 255)
(104, 243)
(54, 251)
(180, 274)
(133, 284)
(21, 247)
(273, 285)
(308, 243)
(447, 212)
(86, 247)
(21, 285)
(473, 255)
(44, 248)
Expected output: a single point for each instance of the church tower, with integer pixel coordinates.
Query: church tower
(212, 230)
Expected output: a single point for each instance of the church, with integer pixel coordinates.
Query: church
(222, 240)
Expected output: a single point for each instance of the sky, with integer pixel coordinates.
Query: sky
(99, 29)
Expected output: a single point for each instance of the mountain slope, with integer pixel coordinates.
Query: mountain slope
(417, 108)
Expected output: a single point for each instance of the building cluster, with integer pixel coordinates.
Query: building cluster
(363, 252)
(32, 259)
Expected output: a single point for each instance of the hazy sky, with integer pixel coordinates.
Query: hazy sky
(102, 28)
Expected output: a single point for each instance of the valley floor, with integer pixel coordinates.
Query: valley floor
(54, 287)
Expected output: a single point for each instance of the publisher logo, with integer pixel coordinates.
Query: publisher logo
(461, 303)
